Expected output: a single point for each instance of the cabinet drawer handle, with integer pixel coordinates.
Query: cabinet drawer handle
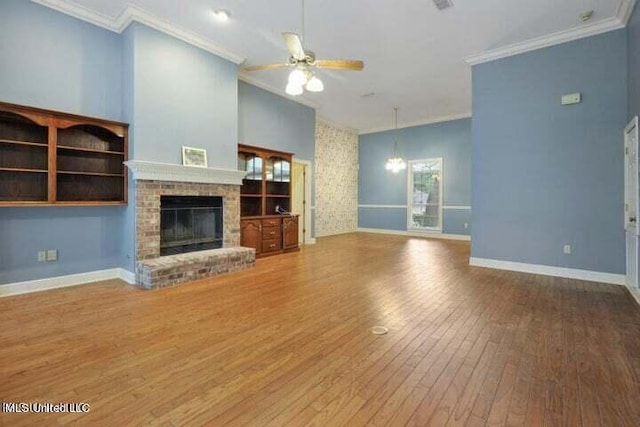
(273, 233)
(272, 246)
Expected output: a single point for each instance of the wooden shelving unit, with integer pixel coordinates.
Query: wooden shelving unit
(267, 185)
(49, 158)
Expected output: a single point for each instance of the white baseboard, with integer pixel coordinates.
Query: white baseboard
(127, 276)
(336, 233)
(415, 234)
(546, 270)
(310, 241)
(635, 293)
(65, 281)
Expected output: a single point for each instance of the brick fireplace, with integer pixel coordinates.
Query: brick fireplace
(155, 180)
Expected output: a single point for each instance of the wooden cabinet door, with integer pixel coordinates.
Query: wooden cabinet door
(290, 232)
(251, 234)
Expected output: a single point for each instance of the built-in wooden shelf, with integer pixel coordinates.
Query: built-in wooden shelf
(90, 150)
(24, 170)
(27, 143)
(268, 186)
(49, 158)
(90, 173)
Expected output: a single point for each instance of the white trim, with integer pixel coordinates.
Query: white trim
(547, 270)
(422, 122)
(625, 9)
(307, 189)
(410, 195)
(127, 276)
(245, 77)
(134, 13)
(313, 208)
(310, 241)
(450, 207)
(168, 172)
(559, 37)
(337, 233)
(65, 281)
(383, 206)
(635, 293)
(425, 234)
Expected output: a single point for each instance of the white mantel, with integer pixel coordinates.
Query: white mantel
(168, 172)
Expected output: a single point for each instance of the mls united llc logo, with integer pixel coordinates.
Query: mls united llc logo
(18, 407)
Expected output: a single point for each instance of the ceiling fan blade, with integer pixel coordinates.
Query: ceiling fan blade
(265, 67)
(340, 64)
(294, 45)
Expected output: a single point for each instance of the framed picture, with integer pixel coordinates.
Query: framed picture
(196, 157)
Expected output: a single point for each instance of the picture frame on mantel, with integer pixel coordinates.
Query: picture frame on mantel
(194, 157)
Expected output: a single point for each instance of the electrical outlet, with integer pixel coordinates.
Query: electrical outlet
(52, 255)
(466, 225)
(567, 249)
(42, 256)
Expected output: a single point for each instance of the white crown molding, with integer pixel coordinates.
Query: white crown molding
(65, 281)
(547, 270)
(80, 12)
(135, 14)
(167, 172)
(625, 9)
(245, 77)
(423, 122)
(548, 40)
(428, 235)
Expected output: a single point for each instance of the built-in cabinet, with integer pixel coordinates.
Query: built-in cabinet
(50, 158)
(265, 201)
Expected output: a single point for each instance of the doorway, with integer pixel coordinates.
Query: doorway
(300, 194)
(631, 202)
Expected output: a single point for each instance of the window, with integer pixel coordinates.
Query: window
(425, 195)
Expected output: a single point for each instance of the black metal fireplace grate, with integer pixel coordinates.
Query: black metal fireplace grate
(190, 223)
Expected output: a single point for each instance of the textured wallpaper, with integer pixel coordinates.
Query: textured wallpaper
(336, 179)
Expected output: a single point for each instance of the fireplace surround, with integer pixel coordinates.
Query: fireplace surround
(155, 181)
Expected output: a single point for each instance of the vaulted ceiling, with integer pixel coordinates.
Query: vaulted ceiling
(415, 55)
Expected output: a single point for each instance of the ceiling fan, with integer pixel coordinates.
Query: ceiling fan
(303, 62)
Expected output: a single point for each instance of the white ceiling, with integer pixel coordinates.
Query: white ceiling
(414, 54)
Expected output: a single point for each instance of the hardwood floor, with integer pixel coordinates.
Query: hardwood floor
(466, 345)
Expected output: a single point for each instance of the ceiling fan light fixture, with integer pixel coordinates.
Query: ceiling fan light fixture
(294, 89)
(298, 77)
(315, 85)
(222, 15)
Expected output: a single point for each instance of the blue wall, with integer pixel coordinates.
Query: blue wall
(545, 175)
(633, 37)
(53, 61)
(182, 96)
(272, 121)
(269, 120)
(376, 186)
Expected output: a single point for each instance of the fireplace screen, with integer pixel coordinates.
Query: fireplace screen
(190, 223)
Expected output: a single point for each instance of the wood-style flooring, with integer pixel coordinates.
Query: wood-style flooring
(466, 345)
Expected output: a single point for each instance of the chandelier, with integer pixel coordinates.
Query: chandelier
(395, 163)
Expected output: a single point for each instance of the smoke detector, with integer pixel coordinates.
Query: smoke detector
(443, 4)
(585, 16)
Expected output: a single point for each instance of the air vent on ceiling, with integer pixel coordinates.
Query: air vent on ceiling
(443, 4)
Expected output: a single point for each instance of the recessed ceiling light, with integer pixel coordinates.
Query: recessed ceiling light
(222, 15)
